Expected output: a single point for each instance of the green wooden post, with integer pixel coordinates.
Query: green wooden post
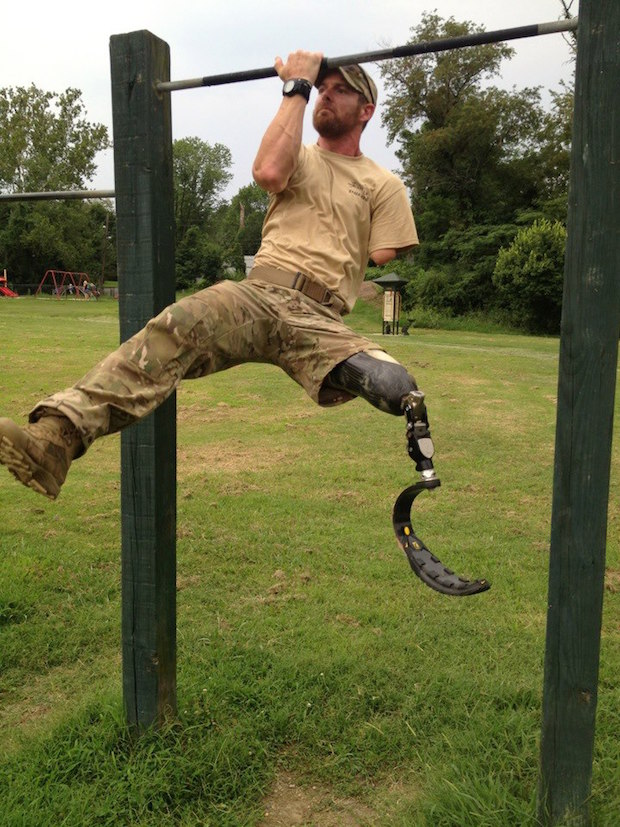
(588, 360)
(145, 231)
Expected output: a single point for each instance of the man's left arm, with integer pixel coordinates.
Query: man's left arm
(392, 229)
(381, 257)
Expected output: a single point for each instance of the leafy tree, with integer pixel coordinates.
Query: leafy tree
(197, 260)
(201, 172)
(252, 203)
(529, 276)
(554, 151)
(47, 144)
(241, 222)
(425, 89)
(461, 145)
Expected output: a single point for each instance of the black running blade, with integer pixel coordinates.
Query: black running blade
(429, 568)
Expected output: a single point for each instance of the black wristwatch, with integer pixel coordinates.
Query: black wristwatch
(297, 86)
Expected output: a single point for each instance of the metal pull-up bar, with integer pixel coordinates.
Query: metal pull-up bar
(426, 47)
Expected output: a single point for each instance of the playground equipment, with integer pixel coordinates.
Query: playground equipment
(4, 288)
(66, 283)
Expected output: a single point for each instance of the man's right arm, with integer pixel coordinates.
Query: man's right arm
(278, 152)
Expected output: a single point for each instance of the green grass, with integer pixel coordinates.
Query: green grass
(306, 646)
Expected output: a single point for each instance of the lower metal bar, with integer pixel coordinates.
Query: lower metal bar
(68, 195)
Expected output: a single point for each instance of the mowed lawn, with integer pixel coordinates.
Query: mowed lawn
(319, 681)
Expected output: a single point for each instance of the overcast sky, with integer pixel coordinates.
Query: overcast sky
(60, 44)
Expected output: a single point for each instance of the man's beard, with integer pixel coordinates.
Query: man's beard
(332, 126)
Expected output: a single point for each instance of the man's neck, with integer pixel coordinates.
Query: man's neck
(344, 145)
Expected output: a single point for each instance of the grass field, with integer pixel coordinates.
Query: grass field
(320, 683)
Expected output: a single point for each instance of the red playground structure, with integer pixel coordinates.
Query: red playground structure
(68, 284)
(4, 288)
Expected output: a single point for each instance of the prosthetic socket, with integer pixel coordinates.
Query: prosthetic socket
(388, 386)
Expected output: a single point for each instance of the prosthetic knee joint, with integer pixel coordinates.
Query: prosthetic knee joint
(419, 443)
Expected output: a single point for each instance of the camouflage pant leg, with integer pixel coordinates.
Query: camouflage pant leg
(214, 329)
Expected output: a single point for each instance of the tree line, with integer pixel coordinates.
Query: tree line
(487, 170)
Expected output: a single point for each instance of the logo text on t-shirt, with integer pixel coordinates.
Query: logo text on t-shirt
(359, 190)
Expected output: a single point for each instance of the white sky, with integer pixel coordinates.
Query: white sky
(60, 44)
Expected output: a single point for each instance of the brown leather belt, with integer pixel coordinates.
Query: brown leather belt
(301, 282)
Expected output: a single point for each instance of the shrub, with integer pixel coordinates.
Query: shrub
(528, 276)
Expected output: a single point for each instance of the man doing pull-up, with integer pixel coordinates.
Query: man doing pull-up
(331, 209)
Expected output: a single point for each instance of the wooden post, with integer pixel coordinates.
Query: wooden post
(145, 238)
(588, 360)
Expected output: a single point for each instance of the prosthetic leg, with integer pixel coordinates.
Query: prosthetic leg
(386, 384)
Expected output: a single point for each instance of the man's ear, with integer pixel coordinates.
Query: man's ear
(367, 112)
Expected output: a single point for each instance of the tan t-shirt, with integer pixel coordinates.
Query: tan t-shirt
(335, 211)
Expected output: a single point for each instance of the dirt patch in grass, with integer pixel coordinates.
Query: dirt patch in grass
(198, 413)
(612, 580)
(232, 457)
(289, 804)
(282, 589)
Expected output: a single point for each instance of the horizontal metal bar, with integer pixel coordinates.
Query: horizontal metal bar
(67, 195)
(443, 45)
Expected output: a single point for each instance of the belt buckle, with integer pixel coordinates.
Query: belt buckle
(299, 281)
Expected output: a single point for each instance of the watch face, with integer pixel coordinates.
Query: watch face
(297, 86)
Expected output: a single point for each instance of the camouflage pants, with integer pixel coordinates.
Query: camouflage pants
(225, 325)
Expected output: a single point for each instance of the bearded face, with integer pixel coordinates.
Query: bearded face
(337, 109)
(332, 124)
